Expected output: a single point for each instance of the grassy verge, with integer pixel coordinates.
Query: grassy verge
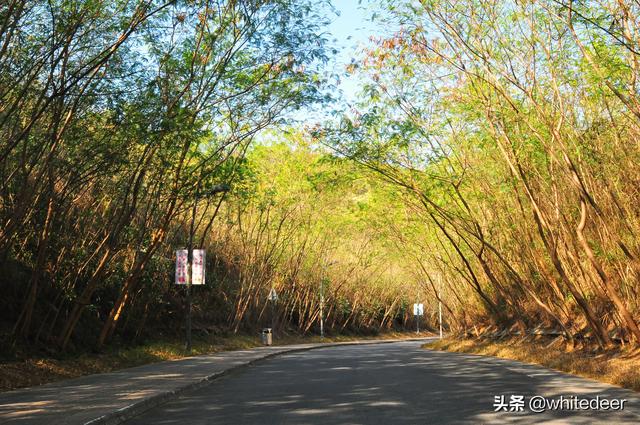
(617, 366)
(37, 370)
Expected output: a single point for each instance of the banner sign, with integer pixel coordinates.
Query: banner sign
(181, 266)
(197, 268)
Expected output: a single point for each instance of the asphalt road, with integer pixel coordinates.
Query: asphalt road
(397, 383)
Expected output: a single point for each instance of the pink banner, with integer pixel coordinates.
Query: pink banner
(182, 266)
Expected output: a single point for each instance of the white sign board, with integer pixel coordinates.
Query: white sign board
(418, 309)
(197, 268)
(273, 296)
(181, 267)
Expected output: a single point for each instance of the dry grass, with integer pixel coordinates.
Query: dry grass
(40, 370)
(617, 366)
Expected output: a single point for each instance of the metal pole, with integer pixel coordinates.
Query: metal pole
(417, 323)
(440, 304)
(219, 188)
(188, 347)
(190, 269)
(322, 305)
(324, 277)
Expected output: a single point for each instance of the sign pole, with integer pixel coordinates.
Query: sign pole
(188, 347)
(418, 310)
(324, 266)
(190, 268)
(200, 263)
(273, 297)
(189, 279)
(440, 304)
(322, 307)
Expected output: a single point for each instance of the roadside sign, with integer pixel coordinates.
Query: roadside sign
(181, 267)
(273, 296)
(418, 309)
(197, 268)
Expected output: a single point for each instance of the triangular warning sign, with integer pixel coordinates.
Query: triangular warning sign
(272, 295)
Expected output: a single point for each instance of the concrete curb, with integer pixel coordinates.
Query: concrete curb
(125, 413)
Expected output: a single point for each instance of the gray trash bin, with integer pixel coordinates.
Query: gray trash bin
(267, 336)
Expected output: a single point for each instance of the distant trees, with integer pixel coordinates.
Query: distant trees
(301, 220)
(512, 126)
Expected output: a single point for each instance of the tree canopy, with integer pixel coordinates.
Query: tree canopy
(490, 164)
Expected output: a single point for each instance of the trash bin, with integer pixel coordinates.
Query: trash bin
(267, 336)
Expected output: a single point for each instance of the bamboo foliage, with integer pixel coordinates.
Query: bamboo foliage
(113, 116)
(512, 127)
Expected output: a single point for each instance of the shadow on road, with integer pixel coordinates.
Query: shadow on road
(386, 384)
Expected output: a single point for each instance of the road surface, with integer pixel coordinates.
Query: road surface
(397, 383)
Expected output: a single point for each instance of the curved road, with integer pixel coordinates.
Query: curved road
(396, 383)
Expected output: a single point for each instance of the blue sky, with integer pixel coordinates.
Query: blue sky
(351, 30)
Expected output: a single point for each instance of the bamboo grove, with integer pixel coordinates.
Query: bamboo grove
(491, 163)
(116, 119)
(513, 126)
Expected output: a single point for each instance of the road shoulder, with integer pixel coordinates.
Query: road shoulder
(111, 398)
(617, 367)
